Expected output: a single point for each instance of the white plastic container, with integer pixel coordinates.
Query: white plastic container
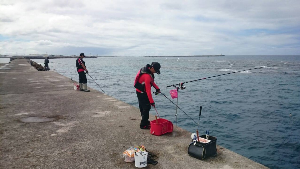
(76, 86)
(141, 159)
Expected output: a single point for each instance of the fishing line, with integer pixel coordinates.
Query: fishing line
(179, 108)
(96, 82)
(181, 84)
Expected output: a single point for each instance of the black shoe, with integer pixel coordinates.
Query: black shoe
(145, 127)
(151, 161)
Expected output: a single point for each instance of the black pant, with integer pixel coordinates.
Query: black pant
(46, 66)
(82, 77)
(145, 107)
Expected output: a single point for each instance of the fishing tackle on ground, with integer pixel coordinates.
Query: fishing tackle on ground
(202, 146)
(160, 126)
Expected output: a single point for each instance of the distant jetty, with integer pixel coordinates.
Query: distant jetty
(45, 56)
(189, 56)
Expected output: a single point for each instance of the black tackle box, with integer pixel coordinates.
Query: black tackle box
(203, 150)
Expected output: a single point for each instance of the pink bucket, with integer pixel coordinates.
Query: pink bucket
(174, 93)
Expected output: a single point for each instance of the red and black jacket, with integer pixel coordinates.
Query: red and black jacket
(80, 61)
(143, 82)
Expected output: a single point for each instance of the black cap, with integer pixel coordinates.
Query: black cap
(82, 54)
(156, 67)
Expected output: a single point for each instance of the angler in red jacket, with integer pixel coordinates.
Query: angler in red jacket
(144, 80)
(80, 64)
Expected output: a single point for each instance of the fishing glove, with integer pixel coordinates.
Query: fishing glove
(157, 91)
(152, 104)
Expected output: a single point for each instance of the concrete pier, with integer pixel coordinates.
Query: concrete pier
(45, 123)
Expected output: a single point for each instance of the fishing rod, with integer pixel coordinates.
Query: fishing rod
(199, 116)
(96, 82)
(179, 108)
(199, 124)
(181, 84)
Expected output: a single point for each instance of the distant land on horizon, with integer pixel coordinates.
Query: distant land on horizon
(189, 56)
(43, 56)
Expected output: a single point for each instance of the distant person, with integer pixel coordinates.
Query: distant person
(144, 80)
(46, 64)
(80, 64)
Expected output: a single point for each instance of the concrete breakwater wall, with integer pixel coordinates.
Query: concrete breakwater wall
(38, 67)
(45, 123)
(50, 57)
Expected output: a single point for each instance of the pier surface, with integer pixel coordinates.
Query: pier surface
(45, 123)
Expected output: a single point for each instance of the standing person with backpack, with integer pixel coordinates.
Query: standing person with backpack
(144, 80)
(80, 64)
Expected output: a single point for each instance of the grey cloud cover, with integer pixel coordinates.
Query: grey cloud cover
(136, 28)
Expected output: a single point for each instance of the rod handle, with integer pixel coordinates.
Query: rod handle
(200, 111)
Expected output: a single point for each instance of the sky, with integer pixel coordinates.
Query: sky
(150, 27)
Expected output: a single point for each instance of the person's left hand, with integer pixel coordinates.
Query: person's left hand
(157, 91)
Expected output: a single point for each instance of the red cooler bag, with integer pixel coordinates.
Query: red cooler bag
(161, 126)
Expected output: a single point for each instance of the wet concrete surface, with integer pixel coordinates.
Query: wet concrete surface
(37, 119)
(89, 129)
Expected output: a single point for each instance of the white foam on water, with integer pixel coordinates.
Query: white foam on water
(247, 71)
(225, 70)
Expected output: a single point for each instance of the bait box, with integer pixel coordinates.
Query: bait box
(203, 150)
(161, 126)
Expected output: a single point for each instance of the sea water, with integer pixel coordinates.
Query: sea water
(255, 113)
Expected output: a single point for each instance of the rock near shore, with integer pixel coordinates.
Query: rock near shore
(38, 67)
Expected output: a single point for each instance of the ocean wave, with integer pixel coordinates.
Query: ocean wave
(255, 115)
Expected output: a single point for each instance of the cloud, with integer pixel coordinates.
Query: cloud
(133, 27)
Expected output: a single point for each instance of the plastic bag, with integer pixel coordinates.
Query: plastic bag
(129, 153)
(174, 93)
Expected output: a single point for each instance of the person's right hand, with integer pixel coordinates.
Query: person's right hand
(152, 104)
